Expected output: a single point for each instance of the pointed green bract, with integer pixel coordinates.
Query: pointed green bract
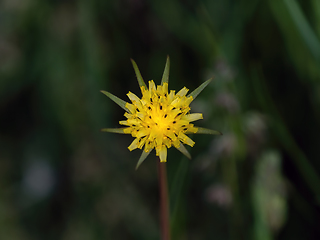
(138, 74)
(184, 151)
(114, 130)
(117, 100)
(165, 76)
(199, 89)
(207, 131)
(143, 157)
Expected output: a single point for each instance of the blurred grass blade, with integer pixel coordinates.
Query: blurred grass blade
(184, 151)
(199, 89)
(114, 130)
(117, 100)
(315, 5)
(299, 158)
(304, 28)
(138, 74)
(165, 76)
(143, 157)
(207, 131)
(178, 191)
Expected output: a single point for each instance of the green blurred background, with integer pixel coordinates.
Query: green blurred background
(61, 178)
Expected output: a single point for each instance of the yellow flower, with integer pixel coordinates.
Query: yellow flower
(160, 118)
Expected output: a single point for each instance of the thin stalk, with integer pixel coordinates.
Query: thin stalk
(164, 201)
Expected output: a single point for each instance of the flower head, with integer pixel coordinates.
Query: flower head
(160, 118)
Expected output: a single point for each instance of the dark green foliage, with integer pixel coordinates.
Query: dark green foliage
(62, 178)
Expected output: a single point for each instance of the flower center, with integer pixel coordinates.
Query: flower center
(161, 124)
(160, 120)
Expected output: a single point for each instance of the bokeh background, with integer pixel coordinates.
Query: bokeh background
(61, 178)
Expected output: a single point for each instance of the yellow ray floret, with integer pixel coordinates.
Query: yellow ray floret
(159, 119)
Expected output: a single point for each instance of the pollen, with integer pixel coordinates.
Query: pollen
(159, 119)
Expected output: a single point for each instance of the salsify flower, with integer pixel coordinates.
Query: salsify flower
(159, 119)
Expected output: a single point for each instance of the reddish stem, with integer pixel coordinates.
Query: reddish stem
(164, 201)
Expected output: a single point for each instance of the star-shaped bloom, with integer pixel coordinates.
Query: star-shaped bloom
(160, 118)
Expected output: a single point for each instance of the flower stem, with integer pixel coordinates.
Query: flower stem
(164, 201)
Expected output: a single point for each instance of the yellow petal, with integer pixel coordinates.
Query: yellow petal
(165, 88)
(131, 107)
(174, 112)
(148, 146)
(143, 89)
(146, 96)
(124, 122)
(134, 144)
(184, 138)
(167, 142)
(192, 117)
(192, 129)
(142, 142)
(128, 115)
(176, 143)
(152, 86)
(133, 97)
(176, 102)
(185, 102)
(142, 132)
(188, 100)
(171, 135)
(181, 123)
(127, 130)
(183, 92)
(141, 115)
(171, 96)
(133, 121)
(159, 139)
(163, 154)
